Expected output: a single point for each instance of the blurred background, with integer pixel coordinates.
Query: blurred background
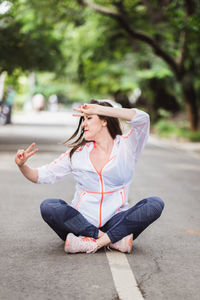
(144, 54)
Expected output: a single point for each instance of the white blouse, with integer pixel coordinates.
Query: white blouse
(100, 195)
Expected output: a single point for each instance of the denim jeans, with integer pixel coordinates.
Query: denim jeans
(63, 219)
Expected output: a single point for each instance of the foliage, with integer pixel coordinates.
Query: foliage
(67, 92)
(170, 29)
(170, 129)
(105, 46)
(27, 44)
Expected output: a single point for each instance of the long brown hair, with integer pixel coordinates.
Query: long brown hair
(113, 126)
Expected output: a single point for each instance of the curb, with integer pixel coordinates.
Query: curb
(189, 147)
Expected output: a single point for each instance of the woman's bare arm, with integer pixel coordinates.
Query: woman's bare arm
(30, 173)
(20, 159)
(95, 109)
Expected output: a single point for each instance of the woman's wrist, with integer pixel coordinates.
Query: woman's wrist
(21, 166)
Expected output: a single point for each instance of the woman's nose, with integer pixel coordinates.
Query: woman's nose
(83, 124)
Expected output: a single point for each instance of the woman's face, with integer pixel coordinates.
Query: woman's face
(92, 126)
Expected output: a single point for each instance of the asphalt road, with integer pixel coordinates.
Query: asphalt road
(33, 265)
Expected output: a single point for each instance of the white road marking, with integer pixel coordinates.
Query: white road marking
(123, 277)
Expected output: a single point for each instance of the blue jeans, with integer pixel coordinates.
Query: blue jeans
(63, 219)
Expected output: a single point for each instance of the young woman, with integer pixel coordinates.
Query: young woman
(102, 161)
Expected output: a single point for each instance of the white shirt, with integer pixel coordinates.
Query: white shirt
(99, 196)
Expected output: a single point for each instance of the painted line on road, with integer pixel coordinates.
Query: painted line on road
(123, 276)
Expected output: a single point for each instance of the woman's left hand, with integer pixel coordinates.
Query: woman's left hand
(87, 109)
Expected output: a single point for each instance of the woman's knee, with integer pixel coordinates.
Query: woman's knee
(46, 207)
(157, 202)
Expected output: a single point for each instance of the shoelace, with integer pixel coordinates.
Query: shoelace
(88, 246)
(93, 250)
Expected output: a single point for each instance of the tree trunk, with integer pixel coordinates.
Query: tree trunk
(191, 105)
(122, 99)
(2, 80)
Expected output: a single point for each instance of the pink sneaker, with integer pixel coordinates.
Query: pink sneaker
(74, 244)
(124, 245)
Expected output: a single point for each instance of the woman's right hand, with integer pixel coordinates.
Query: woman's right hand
(22, 155)
(87, 109)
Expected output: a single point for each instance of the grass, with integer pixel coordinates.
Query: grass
(170, 129)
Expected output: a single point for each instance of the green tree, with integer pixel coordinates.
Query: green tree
(98, 40)
(26, 43)
(171, 29)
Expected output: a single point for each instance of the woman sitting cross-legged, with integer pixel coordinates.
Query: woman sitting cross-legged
(102, 161)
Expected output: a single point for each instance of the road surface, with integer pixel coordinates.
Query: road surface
(165, 259)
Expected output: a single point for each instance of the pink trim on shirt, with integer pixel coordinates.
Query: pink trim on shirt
(126, 136)
(57, 160)
(80, 198)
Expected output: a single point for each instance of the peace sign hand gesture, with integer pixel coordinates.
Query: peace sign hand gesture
(22, 155)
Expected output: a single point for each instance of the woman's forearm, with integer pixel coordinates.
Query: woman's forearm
(20, 159)
(123, 113)
(30, 173)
